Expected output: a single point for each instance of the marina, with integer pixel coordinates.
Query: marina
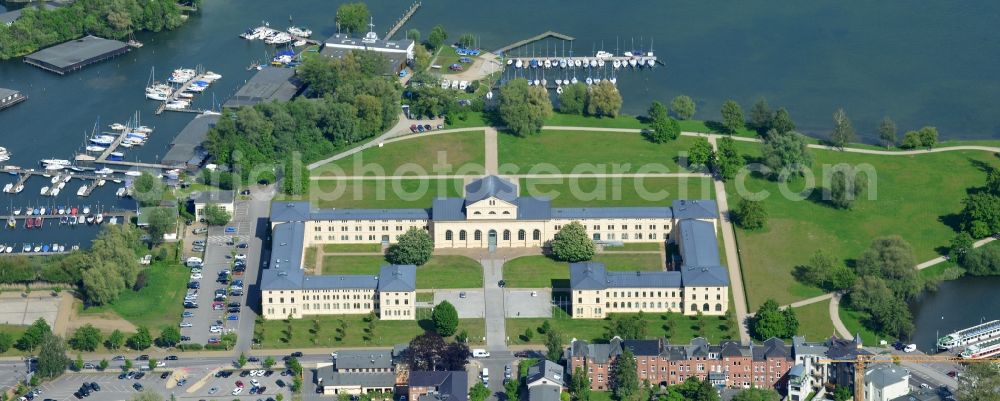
(183, 85)
(402, 20)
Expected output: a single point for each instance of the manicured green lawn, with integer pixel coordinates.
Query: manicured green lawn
(539, 271)
(682, 328)
(350, 248)
(625, 121)
(917, 197)
(814, 321)
(15, 332)
(594, 192)
(387, 332)
(425, 297)
(589, 152)
(472, 119)
(441, 271)
(446, 57)
(377, 194)
(449, 271)
(641, 246)
(157, 304)
(852, 321)
(414, 156)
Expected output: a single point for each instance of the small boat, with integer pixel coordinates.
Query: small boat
(37, 248)
(39, 221)
(537, 82)
(3, 248)
(8, 187)
(300, 32)
(63, 220)
(29, 222)
(117, 126)
(547, 63)
(510, 61)
(613, 80)
(104, 170)
(589, 81)
(90, 219)
(600, 63)
(519, 63)
(26, 247)
(86, 209)
(578, 63)
(71, 220)
(651, 62)
(120, 192)
(55, 191)
(99, 218)
(559, 90)
(75, 248)
(41, 211)
(73, 211)
(156, 96)
(299, 43)
(10, 249)
(34, 212)
(17, 212)
(45, 248)
(11, 222)
(81, 219)
(96, 148)
(62, 248)
(62, 210)
(632, 62)
(573, 81)
(113, 220)
(617, 64)
(562, 63)
(133, 173)
(116, 156)
(82, 190)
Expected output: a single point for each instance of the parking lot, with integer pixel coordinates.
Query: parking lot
(528, 303)
(469, 307)
(193, 383)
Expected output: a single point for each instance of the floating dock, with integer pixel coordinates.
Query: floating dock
(175, 94)
(402, 21)
(10, 97)
(535, 38)
(76, 54)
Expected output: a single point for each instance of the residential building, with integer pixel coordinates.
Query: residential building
(438, 386)
(813, 372)
(886, 382)
(546, 372)
(727, 365)
(357, 372)
(222, 198)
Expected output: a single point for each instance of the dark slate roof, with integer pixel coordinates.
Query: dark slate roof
(695, 209)
(268, 84)
(548, 370)
(302, 211)
(72, 52)
(598, 353)
(339, 281)
(284, 271)
(587, 276)
(772, 348)
(453, 209)
(490, 186)
(397, 278)
(698, 244)
(188, 143)
(448, 209)
(213, 196)
(290, 211)
(544, 393)
(450, 385)
(529, 208)
(713, 276)
(643, 347)
(594, 276)
(611, 212)
(364, 359)
(365, 380)
(841, 348)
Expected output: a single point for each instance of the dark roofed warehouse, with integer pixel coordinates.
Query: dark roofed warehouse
(76, 54)
(266, 85)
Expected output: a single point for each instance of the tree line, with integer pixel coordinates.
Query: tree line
(38, 28)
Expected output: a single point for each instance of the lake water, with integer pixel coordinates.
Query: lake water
(956, 305)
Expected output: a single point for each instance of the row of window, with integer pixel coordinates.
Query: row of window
(536, 235)
(625, 236)
(336, 306)
(597, 227)
(358, 228)
(328, 297)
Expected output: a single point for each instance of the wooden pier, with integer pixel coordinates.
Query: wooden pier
(180, 88)
(402, 21)
(535, 38)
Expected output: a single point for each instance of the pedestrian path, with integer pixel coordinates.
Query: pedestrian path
(732, 257)
(491, 151)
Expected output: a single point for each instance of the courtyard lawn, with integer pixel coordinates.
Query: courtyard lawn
(917, 197)
(539, 271)
(814, 321)
(611, 192)
(419, 154)
(588, 152)
(378, 194)
(157, 304)
(352, 264)
(681, 328)
(640, 246)
(351, 248)
(448, 271)
(387, 332)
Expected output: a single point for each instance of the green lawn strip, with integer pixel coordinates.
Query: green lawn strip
(157, 304)
(611, 192)
(378, 194)
(574, 120)
(425, 297)
(472, 119)
(641, 246)
(682, 328)
(450, 271)
(852, 321)
(350, 248)
(352, 264)
(601, 396)
(539, 271)
(15, 331)
(916, 196)
(419, 155)
(387, 332)
(446, 57)
(814, 321)
(309, 260)
(589, 152)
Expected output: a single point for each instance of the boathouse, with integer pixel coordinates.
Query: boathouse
(396, 52)
(267, 85)
(10, 97)
(76, 54)
(186, 150)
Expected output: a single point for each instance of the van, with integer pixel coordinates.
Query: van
(194, 261)
(486, 376)
(910, 348)
(480, 353)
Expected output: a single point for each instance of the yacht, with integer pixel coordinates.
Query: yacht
(17, 212)
(101, 140)
(601, 54)
(99, 218)
(982, 350)
(300, 32)
(209, 75)
(978, 333)
(4, 154)
(82, 189)
(96, 148)
(104, 170)
(45, 191)
(113, 220)
(57, 162)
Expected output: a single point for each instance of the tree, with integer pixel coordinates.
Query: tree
(52, 360)
(511, 390)
(162, 220)
(528, 334)
(127, 366)
(85, 338)
(700, 154)
(78, 362)
(268, 362)
(34, 335)
(413, 34)
(843, 133)
(553, 346)
(467, 40)
(887, 132)
(604, 100)
(817, 271)
(170, 336)
(911, 140)
(151, 364)
(782, 121)
(571, 243)
(624, 376)
(845, 186)
(147, 395)
(479, 392)
(960, 246)
(294, 365)
(771, 321)
(353, 17)
(761, 116)
(979, 382)
(6, 341)
(215, 215)
(523, 109)
(629, 327)
(757, 394)
(891, 258)
(414, 247)
(429, 351)
(445, 319)
(295, 180)
(579, 385)
(666, 129)
(141, 339)
(732, 116)
(785, 154)
(115, 340)
(147, 189)
(437, 36)
(727, 161)
(981, 214)
(841, 278)
(928, 137)
(241, 361)
(573, 100)
(683, 107)
(842, 393)
(983, 261)
(545, 327)
(750, 214)
(103, 364)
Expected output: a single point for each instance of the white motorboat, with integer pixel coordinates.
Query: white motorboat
(61, 162)
(519, 63)
(104, 170)
(616, 63)
(510, 61)
(300, 32)
(81, 219)
(589, 81)
(120, 192)
(96, 148)
(55, 179)
(559, 90)
(537, 82)
(133, 173)
(600, 63)
(156, 96)
(45, 191)
(185, 95)
(86, 209)
(547, 63)
(55, 191)
(209, 75)
(299, 43)
(593, 63)
(82, 189)
(650, 62)
(545, 82)
(978, 333)
(633, 62)
(578, 62)
(7, 188)
(172, 106)
(603, 55)
(562, 63)
(573, 81)
(559, 82)
(613, 80)
(113, 220)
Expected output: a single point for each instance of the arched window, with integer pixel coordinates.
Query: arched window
(520, 235)
(536, 235)
(478, 236)
(492, 212)
(659, 304)
(718, 307)
(477, 212)
(694, 308)
(704, 307)
(506, 235)
(447, 235)
(461, 235)
(615, 304)
(506, 212)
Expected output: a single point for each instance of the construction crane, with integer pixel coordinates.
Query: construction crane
(862, 361)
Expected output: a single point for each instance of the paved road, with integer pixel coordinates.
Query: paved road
(835, 317)
(258, 210)
(732, 257)
(496, 332)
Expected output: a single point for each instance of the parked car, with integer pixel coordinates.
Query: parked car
(237, 391)
(170, 358)
(94, 386)
(140, 375)
(280, 383)
(137, 386)
(185, 338)
(254, 359)
(213, 390)
(242, 245)
(142, 357)
(239, 383)
(201, 230)
(165, 375)
(199, 242)
(233, 317)
(186, 324)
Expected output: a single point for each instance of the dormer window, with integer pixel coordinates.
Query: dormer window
(477, 212)
(506, 212)
(492, 212)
